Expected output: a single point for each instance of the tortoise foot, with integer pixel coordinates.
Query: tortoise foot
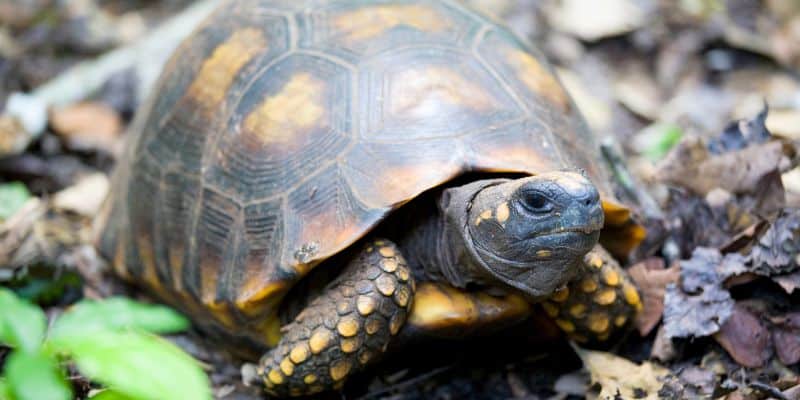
(601, 302)
(344, 329)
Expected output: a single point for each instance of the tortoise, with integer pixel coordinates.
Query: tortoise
(421, 159)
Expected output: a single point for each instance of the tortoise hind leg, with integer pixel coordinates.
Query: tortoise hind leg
(345, 328)
(599, 303)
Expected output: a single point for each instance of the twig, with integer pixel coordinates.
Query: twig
(768, 389)
(615, 160)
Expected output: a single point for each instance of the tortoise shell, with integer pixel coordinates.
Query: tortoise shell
(281, 132)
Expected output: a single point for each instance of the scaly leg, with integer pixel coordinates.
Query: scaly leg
(345, 328)
(599, 303)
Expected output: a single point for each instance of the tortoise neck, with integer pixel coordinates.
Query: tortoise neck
(436, 245)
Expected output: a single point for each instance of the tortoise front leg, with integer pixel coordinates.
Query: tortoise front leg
(345, 328)
(600, 302)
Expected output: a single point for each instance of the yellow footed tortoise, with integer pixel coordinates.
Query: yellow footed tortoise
(421, 159)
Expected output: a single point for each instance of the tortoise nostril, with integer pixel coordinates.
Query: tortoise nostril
(588, 202)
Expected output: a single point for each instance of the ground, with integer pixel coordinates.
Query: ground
(700, 98)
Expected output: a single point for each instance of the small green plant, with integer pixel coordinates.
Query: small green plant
(112, 342)
(12, 196)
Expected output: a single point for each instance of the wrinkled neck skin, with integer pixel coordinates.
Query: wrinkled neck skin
(458, 259)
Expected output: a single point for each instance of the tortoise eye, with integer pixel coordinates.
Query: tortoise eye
(537, 203)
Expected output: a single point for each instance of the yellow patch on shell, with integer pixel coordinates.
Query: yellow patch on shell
(347, 327)
(275, 377)
(502, 212)
(309, 379)
(210, 86)
(588, 285)
(370, 21)
(550, 308)
(560, 295)
(598, 322)
(537, 78)
(577, 310)
(365, 305)
(148, 263)
(219, 310)
(339, 369)
(386, 251)
(299, 353)
(620, 320)
(566, 326)
(438, 308)
(287, 367)
(255, 294)
(296, 109)
(420, 93)
(605, 297)
(320, 340)
(611, 277)
(119, 260)
(386, 285)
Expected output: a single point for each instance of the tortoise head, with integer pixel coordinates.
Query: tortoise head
(532, 233)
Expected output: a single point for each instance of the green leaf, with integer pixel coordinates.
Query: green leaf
(5, 393)
(139, 365)
(22, 325)
(109, 395)
(35, 376)
(118, 313)
(12, 196)
(664, 137)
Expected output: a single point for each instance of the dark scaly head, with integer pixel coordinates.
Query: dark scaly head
(532, 233)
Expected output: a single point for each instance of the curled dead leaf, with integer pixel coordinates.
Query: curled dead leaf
(745, 338)
(88, 125)
(786, 337)
(621, 378)
(699, 304)
(652, 279)
(692, 166)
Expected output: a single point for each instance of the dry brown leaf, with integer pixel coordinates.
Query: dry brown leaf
(88, 125)
(699, 304)
(785, 123)
(620, 377)
(745, 338)
(85, 197)
(776, 250)
(786, 337)
(592, 20)
(692, 166)
(652, 279)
